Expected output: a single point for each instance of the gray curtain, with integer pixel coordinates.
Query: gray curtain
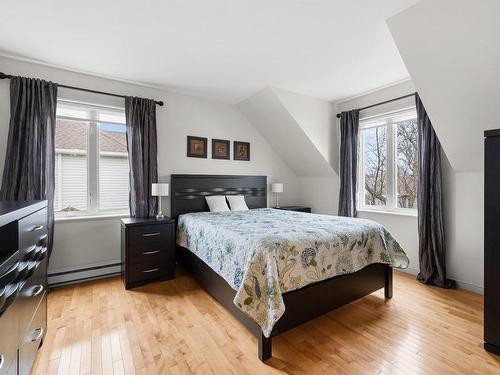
(432, 246)
(142, 148)
(349, 124)
(29, 160)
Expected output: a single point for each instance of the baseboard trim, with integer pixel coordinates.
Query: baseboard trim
(469, 287)
(82, 280)
(464, 285)
(62, 278)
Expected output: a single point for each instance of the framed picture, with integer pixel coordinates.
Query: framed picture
(220, 149)
(241, 151)
(196, 147)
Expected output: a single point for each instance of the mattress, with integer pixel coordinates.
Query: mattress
(264, 253)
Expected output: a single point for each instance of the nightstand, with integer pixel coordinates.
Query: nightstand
(148, 250)
(294, 208)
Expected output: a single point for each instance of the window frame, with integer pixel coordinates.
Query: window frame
(389, 120)
(93, 159)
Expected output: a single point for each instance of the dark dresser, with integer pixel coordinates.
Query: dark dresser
(492, 241)
(148, 250)
(23, 284)
(295, 208)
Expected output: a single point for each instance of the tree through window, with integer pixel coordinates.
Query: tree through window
(388, 172)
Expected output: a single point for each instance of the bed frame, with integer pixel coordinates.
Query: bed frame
(188, 194)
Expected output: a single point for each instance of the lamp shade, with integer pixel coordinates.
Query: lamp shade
(159, 190)
(277, 187)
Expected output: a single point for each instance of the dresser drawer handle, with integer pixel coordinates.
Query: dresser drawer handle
(37, 228)
(151, 234)
(151, 252)
(2, 361)
(40, 334)
(39, 289)
(30, 252)
(151, 270)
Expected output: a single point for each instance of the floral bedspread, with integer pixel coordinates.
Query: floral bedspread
(264, 253)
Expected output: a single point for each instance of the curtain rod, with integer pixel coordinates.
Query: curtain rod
(385, 102)
(8, 76)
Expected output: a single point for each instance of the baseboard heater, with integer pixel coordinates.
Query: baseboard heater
(57, 279)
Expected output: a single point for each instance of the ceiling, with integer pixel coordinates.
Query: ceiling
(221, 49)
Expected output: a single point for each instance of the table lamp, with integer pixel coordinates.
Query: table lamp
(159, 190)
(277, 188)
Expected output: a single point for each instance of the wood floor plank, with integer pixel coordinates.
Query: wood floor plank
(174, 327)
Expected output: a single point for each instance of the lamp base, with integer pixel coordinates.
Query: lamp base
(160, 216)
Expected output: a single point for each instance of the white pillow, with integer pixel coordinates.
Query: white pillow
(217, 203)
(237, 202)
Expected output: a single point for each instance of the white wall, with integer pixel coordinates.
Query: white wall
(320, 193)
(463, 205)
(83, 243)
(464, 220)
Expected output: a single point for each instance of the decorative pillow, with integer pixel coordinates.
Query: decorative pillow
(237, 202)
(217, 203)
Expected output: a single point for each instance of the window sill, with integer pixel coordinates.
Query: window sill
(62, 219)
(389, 212)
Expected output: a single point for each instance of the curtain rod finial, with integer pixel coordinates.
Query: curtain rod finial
(338, 115)
(160, 103)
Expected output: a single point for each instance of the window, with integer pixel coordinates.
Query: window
(91, 169)
(388, 167)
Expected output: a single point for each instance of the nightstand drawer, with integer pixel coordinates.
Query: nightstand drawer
(141, 272)
(157, 256)
(148, 237)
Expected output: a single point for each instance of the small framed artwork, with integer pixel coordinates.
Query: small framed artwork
(241, 151)
(196, 147)
(220, 149)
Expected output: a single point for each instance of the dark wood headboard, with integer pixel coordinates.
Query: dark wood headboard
(188, 191)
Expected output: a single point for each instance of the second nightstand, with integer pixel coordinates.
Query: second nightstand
(294, 208)
(148, 250)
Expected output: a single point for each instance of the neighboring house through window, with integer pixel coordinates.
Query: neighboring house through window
(91, 169)
(388, 162)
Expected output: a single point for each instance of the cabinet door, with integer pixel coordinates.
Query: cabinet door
(492, 241)
(32, 338)
(31, 294)
(9, 334)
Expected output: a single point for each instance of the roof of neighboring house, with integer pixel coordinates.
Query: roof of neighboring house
(72, 135)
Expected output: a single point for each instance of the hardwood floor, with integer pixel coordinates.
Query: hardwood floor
(174, 327)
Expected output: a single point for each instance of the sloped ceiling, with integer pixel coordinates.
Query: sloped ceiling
(318, 121)
(451, 49)
(267, 111)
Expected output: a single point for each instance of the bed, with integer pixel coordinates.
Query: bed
(275, 269)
